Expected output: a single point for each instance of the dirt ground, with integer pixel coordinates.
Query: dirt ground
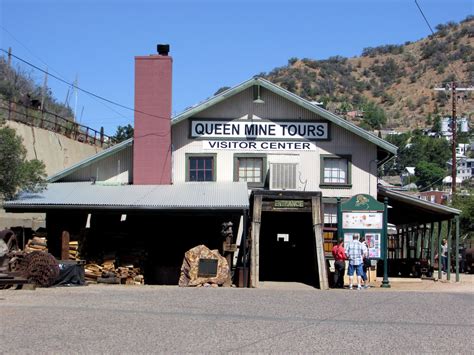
(465, 284)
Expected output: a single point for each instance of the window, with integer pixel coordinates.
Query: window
(200, 167)
(250, 168)
(335, 171)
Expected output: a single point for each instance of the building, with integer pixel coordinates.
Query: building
(257, 155)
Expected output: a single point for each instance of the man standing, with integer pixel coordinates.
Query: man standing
(339, 263)
(354, 253)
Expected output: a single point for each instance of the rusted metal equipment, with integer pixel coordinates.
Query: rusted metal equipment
(19, 267)
(39, 268)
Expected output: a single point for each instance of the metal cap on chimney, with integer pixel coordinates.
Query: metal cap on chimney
(163, 49)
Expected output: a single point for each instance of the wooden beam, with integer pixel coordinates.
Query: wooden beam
(319, 243)
(255, 252)
(65, 245)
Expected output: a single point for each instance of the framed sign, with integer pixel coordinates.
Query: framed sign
(373, 241)
(362, 220)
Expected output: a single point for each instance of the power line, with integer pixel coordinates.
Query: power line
(59, 74)
(422, 14)
(83, 90)
(433, 33)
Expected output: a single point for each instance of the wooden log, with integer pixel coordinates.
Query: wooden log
(65, 245)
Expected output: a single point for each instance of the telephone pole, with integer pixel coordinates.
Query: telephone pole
(452, 87)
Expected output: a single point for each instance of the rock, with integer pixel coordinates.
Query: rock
(189, 269)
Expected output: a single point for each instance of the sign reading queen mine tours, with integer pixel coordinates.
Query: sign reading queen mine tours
(281, 130)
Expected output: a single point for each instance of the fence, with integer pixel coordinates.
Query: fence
(55, 123)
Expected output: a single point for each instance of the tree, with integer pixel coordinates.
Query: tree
(17, 173)
(466, 205)
(123, 133)
(428, 174)
(374, 116)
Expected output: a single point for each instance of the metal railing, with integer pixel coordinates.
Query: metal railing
(50, 121)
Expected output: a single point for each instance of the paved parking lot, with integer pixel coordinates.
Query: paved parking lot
(275, 318)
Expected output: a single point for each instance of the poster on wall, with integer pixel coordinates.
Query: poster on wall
(374, 244)
(362, 220)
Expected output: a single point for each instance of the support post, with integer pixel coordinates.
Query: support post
(457, 247)
(432, 244)
(440, 227)
(385, 281)
(255, 253)
(448, 237)
(318, 237)
(244, 242)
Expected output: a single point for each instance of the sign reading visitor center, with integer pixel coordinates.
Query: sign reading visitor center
(259, 136)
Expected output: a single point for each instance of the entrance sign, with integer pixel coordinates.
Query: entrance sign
(288, 204)
(282, 130)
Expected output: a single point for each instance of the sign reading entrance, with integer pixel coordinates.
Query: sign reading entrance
(289, 204)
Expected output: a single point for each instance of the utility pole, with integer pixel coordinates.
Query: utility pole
(9, 57)
(43, 90)
(452, 87)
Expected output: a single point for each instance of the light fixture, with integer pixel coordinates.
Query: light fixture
(256, 95)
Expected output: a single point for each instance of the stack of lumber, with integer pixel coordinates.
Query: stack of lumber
(36, 244)
(73, 250)
(131, 275)
(92, 272)
(107, 273)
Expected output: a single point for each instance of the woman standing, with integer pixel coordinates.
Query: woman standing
(444, 255)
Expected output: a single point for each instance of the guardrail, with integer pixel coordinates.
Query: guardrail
(55, 123)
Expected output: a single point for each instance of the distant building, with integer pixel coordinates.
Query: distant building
(407, 174)
(464, 168)
(439, 197)
(461, 122)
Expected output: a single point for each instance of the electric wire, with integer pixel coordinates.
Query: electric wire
(59, 74)
(84, 90)
(434, 34)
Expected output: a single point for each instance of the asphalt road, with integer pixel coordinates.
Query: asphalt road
(156, 319)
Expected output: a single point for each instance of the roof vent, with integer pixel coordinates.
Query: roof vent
(163, 49)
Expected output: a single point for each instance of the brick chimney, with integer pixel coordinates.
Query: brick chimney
(152, 131)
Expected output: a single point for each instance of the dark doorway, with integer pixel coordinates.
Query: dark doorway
(287, 248)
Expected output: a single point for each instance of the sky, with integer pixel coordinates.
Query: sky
(214, 43)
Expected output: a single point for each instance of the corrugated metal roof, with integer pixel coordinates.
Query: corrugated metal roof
(417, 202)
(190, 195)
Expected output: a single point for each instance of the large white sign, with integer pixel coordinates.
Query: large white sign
(265, 129)
(252, 146)
(362, 220)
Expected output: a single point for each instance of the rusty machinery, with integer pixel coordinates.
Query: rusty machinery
(38, 267)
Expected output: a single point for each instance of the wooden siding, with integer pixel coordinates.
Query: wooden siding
(116, 168)
(240, 106)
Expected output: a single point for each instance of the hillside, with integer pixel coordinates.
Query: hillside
(400, 79)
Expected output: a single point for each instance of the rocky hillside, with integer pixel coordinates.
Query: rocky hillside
(397, 80)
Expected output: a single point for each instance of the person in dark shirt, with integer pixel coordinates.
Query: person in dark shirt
(339, 263)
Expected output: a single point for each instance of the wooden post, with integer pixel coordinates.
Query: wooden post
(440, 227)
(318, 237)
(448, 237)
(456, 219)
(255, 252)
(65, 245)
(432, 245)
